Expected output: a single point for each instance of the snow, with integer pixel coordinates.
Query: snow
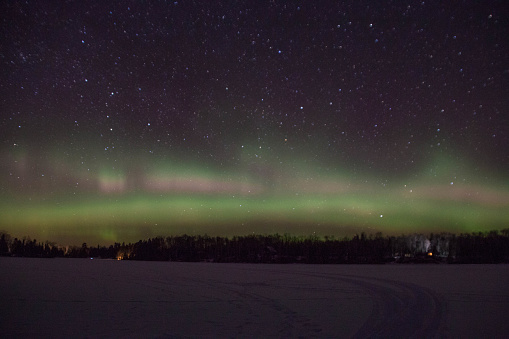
(107, 298)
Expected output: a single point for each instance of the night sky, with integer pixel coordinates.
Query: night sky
(125, 120)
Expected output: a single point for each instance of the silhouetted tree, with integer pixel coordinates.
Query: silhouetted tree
(4, 244)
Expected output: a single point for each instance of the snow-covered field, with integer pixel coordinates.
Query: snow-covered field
(106, 298)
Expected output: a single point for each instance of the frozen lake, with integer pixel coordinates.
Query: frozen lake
(106, 298)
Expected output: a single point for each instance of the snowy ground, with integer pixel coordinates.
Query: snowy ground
(106, 298)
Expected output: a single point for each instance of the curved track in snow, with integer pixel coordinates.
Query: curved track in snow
(398, 309)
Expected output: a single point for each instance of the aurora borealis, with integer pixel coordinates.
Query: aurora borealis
(127, 120)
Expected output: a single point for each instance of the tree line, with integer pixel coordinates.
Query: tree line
(488, 247)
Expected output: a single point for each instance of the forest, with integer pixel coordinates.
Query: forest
(474, 248)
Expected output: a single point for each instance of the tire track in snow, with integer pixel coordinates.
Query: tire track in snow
(400, 309)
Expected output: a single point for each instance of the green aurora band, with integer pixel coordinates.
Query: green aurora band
(125, 205)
